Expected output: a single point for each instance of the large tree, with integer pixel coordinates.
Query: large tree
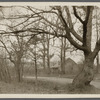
(81, 41)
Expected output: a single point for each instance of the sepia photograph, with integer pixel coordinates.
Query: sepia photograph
(49, 48)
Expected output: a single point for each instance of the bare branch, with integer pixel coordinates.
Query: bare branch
(87, 14)
(97, 49)
(55, 25)
(71, 25)
(68, 36)
(7, 51)
(76, 15)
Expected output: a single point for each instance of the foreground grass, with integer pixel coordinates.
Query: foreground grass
(43, 87)
(30, 87)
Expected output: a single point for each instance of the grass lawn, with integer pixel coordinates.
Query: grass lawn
(43, 87)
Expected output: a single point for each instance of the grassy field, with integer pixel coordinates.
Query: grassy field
(43, 87)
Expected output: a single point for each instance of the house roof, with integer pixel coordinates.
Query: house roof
(70, 61)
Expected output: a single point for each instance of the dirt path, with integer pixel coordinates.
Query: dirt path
(63, 80)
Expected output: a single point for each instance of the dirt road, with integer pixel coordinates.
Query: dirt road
(63, 80)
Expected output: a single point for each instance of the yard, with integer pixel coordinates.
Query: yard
(46, 85)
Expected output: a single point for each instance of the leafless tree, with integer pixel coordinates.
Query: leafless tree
(84, 39)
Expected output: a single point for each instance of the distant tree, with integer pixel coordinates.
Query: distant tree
(63, 54)
(4, 69)
(15, 53)
(44, 51)
(34, 53)
(48, 55)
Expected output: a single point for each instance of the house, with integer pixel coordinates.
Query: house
(55, 69)
(71, 67)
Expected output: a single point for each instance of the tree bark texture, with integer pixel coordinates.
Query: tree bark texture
(87, 73)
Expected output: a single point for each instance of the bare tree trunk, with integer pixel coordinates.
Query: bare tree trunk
(62, 55)
(44, 60)
(7, 69)
(35, 68)
(22, 69)
(86, 75)
(35, 60)
(8, 74)
(64, 60)
(18, 71)
(48, 56)
(44, 51)
(63, 51)
(4, 75)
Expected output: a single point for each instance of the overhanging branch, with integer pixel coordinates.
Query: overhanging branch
(71, 25)
(67, 29)
(76, 15)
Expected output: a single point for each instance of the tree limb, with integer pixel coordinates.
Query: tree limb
(97, 49)
(68, 36)
(71, 25)
(76, 15)
(7, 51)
